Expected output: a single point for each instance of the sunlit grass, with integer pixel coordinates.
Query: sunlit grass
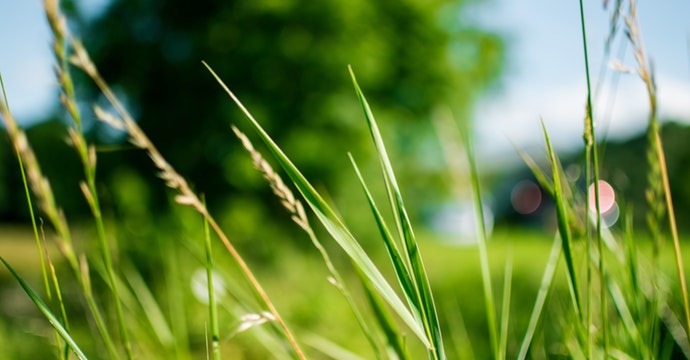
(577, 289)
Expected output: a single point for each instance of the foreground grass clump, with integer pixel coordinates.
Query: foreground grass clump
(612, 297)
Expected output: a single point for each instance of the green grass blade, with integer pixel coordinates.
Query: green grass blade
(546, 281)
(563, 225)
(394, 341)
(424, 299)
(43, 308)
(592, 174)
(34, 224)
(621, 304)
(538, 173)
(177, 312)
(332, 223)
(151, 309)
(212, 306)
(27, 193)
(489, 304)
(401, 270)
(330, 349)
(505, 308)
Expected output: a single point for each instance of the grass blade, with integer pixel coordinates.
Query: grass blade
(505, 308)
(563, 226)
(332, 223)
(423, 299)
(296, 209)
(394, 341)
(592, 174)
(621, 305)
(489, 303)
(43, 308)
(151, 309)
(212, 307)
(546, 281)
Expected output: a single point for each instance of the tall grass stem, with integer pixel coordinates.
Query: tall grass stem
(592, 177)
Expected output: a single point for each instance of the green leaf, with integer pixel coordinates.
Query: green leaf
(52, 319)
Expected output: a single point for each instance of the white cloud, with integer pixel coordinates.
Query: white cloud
(621, 112)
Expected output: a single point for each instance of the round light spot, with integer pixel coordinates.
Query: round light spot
(199, 285)
(607, 197)
(526, 197)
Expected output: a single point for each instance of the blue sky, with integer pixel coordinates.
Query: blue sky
(544, 75)
(545, 72)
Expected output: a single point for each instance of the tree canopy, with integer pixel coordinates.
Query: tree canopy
(287, 61)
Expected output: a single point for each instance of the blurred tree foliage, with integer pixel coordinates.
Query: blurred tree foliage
(287, 60)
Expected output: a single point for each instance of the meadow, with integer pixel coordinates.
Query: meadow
(187, 289)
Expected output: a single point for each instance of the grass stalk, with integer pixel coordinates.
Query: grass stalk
(482, 238)
(564, 228)
(538, 309)
(39, 243)
(29, 202)
(173, 180)
(45, 310)
(212, 306)
(505, 308)
(176, 305)
(646, 74)
(395, 344)
(592, 177)
(422, 300)
(332, 223)
(87, 155)
(46, 201)
(58, 296)
(141, 294)
(299, 216)
(445, 127)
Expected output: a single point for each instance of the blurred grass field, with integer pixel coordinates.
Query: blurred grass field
(297, 280)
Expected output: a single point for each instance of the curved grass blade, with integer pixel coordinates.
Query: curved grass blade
(563, 225)
(489, 306)
(394, 342)
(46, 312)
(546, 281)
(505, 308)
(423, 299)
(331, 222)
(212, 306)
(399, 265)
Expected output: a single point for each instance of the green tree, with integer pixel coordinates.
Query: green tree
(287, 60)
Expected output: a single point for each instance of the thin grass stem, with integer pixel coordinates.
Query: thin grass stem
(54, 322)
(544, 287)
(646, 74)
(212, 306)
(87, 154)
(592, 176)
(299, 216)
(173, 179)
(482, 238)
(29, 202)
(333, 224)
(505, 307)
